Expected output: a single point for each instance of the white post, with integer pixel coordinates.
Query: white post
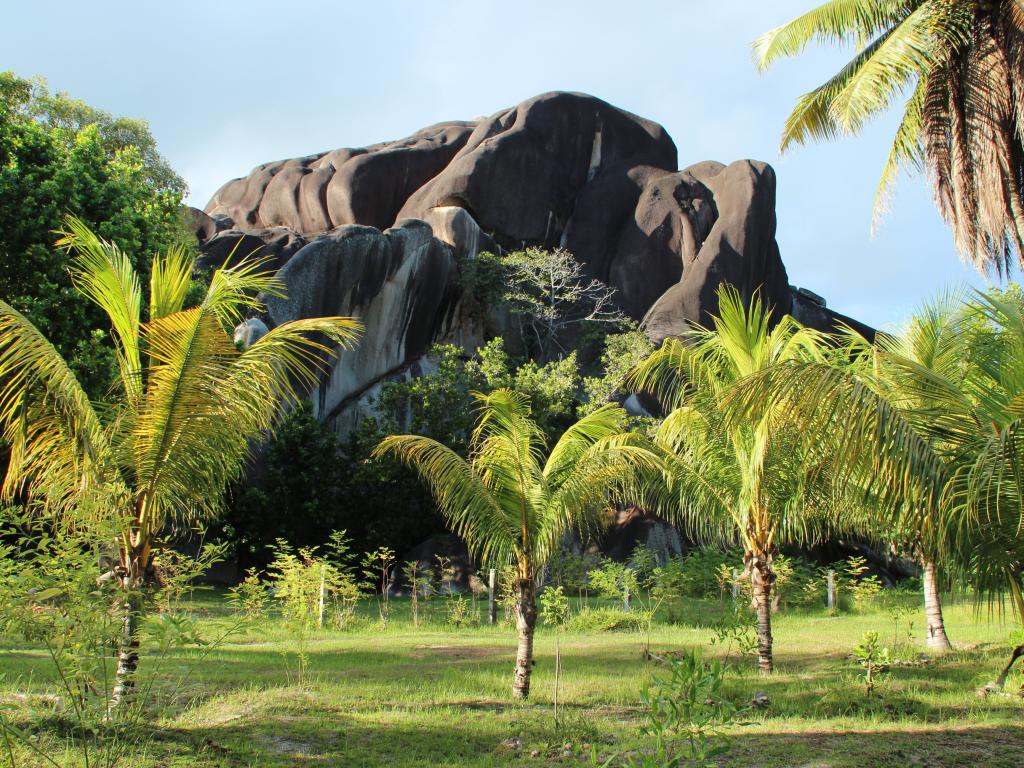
(323, 579)
(492, 603)
(831, 590)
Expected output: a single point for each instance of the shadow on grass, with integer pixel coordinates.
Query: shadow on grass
(982, 746)
(452, 738)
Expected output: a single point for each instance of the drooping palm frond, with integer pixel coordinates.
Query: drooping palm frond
(56, 437)
(837, 21)
(702, 481)
(507, 501)
(906, 152)
(490, 530)
(963, 63)
(578, 439)
(610, 471)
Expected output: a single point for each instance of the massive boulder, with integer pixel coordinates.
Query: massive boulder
(379, 232)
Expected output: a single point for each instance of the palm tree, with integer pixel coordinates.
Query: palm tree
(180, 421)
(962, 64)
(749, 481)
(928, 424)
(511, 504)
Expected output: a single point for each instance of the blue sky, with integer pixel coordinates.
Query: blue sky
(227, 85)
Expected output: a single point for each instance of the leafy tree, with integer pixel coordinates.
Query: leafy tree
(748, 481)
(189, 404)
(549, 294)
(59, 156)
(295, 491)
(622, 353)
(511, 503)
(961, 63)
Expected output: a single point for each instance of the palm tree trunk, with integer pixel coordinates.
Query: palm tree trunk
(128, 651)
(133, 567)
(935, 628)
(526, 621)
(761, 580)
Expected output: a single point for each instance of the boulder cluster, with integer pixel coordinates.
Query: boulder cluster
(379, 232)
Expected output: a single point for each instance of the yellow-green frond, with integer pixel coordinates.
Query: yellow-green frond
(838, 21)
(104, 274)
(45, 415)
(491, 530)
(169, 282)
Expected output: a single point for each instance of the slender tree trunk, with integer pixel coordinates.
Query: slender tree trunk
(935, 628)
(128, 653)
(526, 621)
(133, 570)
(762, 579)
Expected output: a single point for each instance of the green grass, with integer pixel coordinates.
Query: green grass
(439, 696)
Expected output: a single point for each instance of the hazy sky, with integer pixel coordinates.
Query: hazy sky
(228, 85)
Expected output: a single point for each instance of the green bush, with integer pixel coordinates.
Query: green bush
(554, 607)
(615, 581)
(607, 620)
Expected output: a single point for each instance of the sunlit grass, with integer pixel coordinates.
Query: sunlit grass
(399, 695)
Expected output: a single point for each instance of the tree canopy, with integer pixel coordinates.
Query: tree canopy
(60, 156)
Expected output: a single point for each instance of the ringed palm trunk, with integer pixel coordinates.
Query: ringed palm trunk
(935, 628)
(129, 606)
(762, 580)
(526, 621)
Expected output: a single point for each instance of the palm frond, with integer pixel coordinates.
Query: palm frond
(838, 21)
(606, 421)
(104, 274)
(169, 282)
(490, 529)
(907, 151)
(57, 438)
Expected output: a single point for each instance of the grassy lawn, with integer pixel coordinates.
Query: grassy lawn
(439, 696)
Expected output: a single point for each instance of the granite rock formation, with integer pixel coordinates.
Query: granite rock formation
(379, 232)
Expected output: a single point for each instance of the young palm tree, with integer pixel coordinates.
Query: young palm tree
(962, 62)
(749, 481)
(179, 425)
(928, 424)
(512, 504)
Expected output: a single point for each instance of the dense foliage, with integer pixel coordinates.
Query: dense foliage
(309, 482)
(60, 156)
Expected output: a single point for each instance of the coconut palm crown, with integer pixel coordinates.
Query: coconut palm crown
(928, 423)
(727, 480)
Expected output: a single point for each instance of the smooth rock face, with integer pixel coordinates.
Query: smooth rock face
(232, 246)
(379, 232)
(400, 283)
(739, 247)
(347, 186)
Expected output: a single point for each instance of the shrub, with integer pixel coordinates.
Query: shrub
(686, 714)
(554, 607)
(54, 596)
(615, 581)
(460, 612)
(872, 657)
(607, 620)
(856, 588)
(250, 598)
